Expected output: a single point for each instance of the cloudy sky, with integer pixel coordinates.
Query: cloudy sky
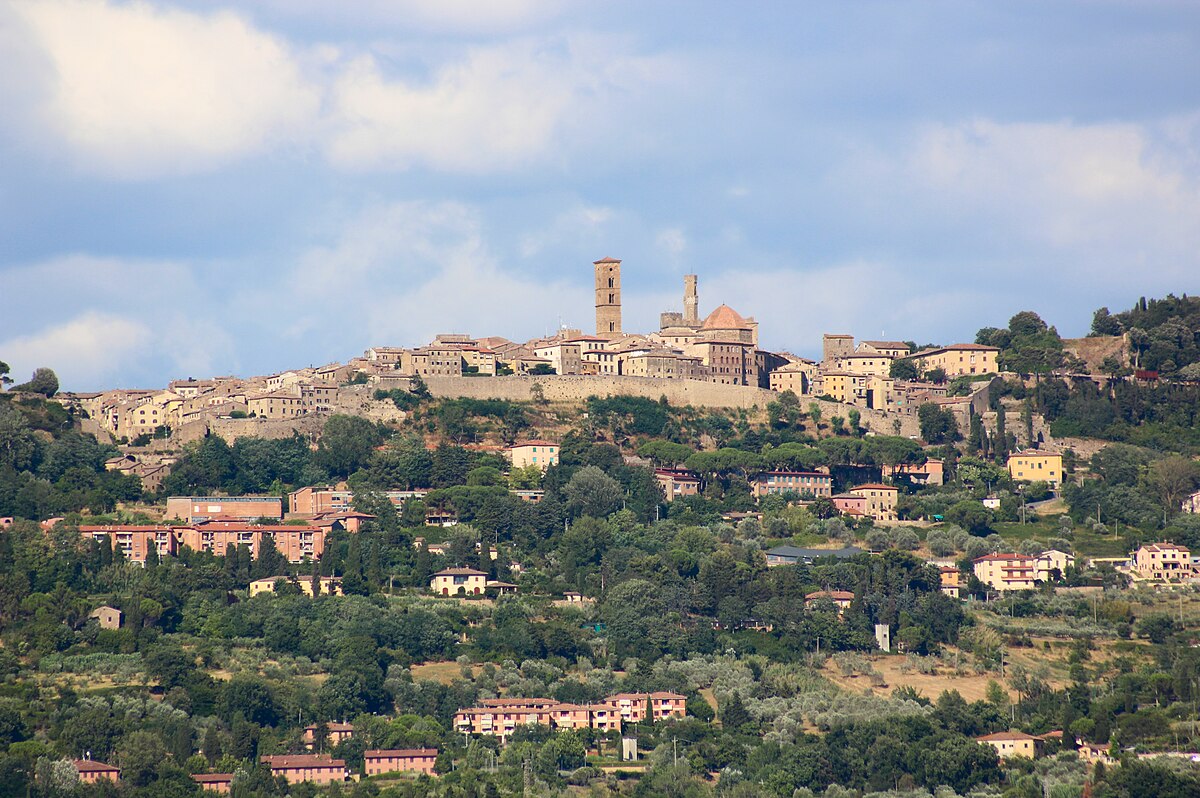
(198, 188)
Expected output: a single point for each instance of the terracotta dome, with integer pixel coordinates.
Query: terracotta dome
(725, 318)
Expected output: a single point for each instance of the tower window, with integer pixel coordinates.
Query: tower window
(610, 282)
(612, 326)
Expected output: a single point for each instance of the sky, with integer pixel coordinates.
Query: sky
(201, 188)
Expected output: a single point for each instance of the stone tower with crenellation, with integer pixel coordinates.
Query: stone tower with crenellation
(691, 301)
(608, 297)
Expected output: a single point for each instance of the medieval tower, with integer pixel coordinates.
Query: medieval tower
(691, 301)
(608, 297)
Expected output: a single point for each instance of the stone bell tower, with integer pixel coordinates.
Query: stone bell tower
(691, 301)
(608, 297)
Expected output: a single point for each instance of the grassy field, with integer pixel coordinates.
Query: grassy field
(441, 672)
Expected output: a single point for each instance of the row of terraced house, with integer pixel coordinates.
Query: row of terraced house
(502, 716)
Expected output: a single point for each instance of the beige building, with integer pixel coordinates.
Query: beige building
(892, 349)
(959, 359)
(107, 617)
(458, 581)
(1006, 572)
(1036, 466)
(1192, 503)
(564, 357)
(330, 585)
(436, 360)
(881, 500)
(662, 364)
(542, 454)
(1162, 562)
(868, 363)
(1012, 743)
(775, 482)
(796, 377)
(278, 404)
(842, 386)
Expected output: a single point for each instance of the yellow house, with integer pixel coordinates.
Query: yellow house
(453, 581)
(959, 359)
(330, 585)
(794, 377)
(1036, 466)
(542, 454)
(869, 363)
(1012, 743)
(881, 500)
(843, 386)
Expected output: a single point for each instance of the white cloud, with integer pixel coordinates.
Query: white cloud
(580, 226)
(468, 16)
(83, 351)
(498, 108)
(138, 90)
(135, 90)
(400, 273)
(1103, 192)
(671, 240)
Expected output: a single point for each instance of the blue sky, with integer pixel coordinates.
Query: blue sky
(195, 188)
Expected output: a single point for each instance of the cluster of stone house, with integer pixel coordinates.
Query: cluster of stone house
(502, 716)
(862, 375)
(130, 413)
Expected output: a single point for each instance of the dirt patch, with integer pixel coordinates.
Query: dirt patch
(971, 688)
(441, 672)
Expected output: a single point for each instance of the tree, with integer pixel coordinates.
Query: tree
(633, 612)
(970, 515)
(346, 445)
(4, 378)
(937, 425)
(1173, 478)
(904, 369)
(43, 381)
(140, 755)
(592, 492)
(733, 712)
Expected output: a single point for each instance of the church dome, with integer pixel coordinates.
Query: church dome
(725, 318)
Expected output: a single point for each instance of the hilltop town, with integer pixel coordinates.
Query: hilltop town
(617, 563)
(682, 360)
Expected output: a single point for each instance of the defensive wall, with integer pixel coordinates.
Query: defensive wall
(679, 393)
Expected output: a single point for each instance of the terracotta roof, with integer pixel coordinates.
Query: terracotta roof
(212, 778)
(606, 260)
(333, 727)
(1008, 735)
(303, 761)
(887, 344)
(398, 752)
(956, 347)
(874, 486)
(519, 444)
(725, 318)
(836, 595)
(92, 766)
(460, 572)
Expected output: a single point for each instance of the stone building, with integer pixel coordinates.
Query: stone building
(608, 297)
